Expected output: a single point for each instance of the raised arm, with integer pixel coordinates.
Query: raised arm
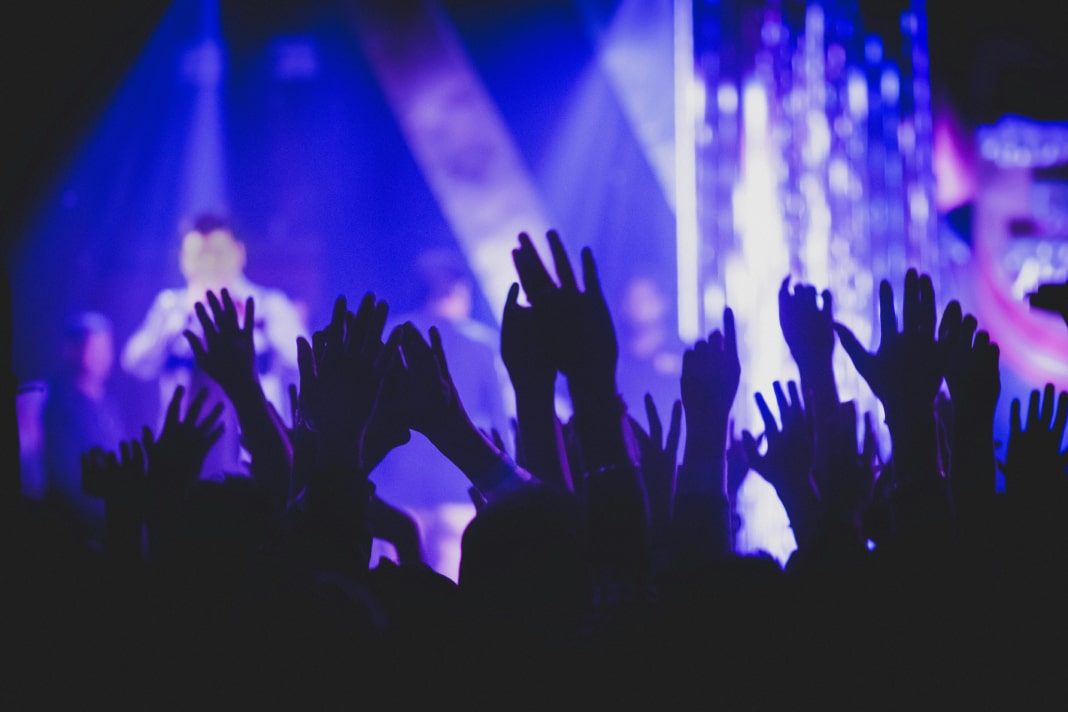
(540, 447)
(227, 354)
(710, 376)
(905, 373)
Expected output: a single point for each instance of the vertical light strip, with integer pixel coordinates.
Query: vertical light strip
(687, 250)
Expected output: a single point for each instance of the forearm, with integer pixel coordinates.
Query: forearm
(272, 454)
(541, 448)
(600, 423)
(701, 524)
(485, 467)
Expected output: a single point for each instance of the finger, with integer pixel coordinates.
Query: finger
(305, 362)
(533, 276)
(857, 353)
(138, 452)
(124, 452)
(795, 397)
(293, 400)
(910, 305)
(211, 418)
(887, 316)
(439, 353)
(511, 303)
(926, 307)
(968, 326)
(671, 447)
(564, 274)
(785, 411)
(216, 309)
(229, 310)
(318, 348)
(205, 321)
(199, 353)
(949, 329)
(1061, 419)
(869, 438)
(193, 411)
(148, 438)
(730, 338)
(1015, 427)
(250, 315)
(784, 291)
(174, 408)
(828, 305)
(378, 323)
(590, 280)
(765, 413)
(1048, 395)
(656, 429)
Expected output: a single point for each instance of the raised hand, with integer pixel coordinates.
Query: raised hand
(787, 463)
(227, 352)
(1035, 463)
(120, 482)
(342, 373)
(971, 364)
(807, 327)
(710, 376)
(539, 441)
(177, 455)
(524, 352)
(1051, 298)
(974, 380)
(575, 326)
(788, 458)
(906, 370)
(659, 461)
(905, 373)
(709, 383)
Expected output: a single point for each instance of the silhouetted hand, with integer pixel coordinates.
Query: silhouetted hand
(120, 482)
(788, 457)
(709, 383)
(659, 461)
(227, 352)
(971, 364)
(906, 370)
(1035, 464)
(342, 374)
(177, 455)
(1051, 298)
(430, 400)
(807, 327)
(523, 351)
(575, 326)
(974, 381)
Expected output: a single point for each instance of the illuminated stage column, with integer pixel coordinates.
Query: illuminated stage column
(812, 136)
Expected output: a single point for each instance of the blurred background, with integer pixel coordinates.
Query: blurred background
(704, 150)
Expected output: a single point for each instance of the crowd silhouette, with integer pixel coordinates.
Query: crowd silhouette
(600, 566)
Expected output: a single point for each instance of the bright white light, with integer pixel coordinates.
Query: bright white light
(818, 144)
(754, 109)
(857, 93)
(686, 226)
(727, 98)
(890, 86)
